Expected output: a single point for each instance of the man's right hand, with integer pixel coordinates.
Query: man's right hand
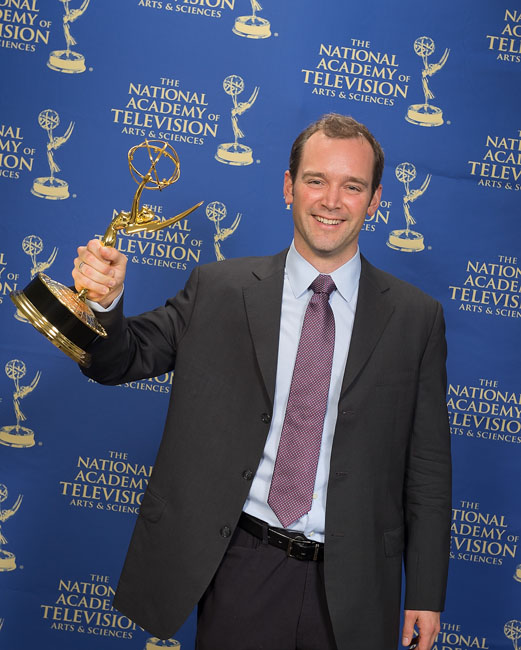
(101, 270)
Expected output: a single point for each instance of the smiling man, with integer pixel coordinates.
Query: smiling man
(332, 192)
(306, 448)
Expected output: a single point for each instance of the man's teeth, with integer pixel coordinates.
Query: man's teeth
(329, 222)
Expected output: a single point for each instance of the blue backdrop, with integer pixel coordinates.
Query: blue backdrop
(230, 83)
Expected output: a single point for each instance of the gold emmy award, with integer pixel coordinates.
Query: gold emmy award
(512, 630)
(252, 26)
(235, 153)
(61, 314)
(425, 114)
(7, 559)
(67, 60)
(32, 245)
(216, 212)
(16, 435)
(50, 187)
(408, 241)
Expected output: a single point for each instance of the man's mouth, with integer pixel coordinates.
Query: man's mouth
(328, 222)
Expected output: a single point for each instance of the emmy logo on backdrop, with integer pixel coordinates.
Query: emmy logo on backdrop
(66, 60)
(408, 241)
(32, 245)
(153, 643)
(216, 212)
(62, 315)
(252, 26)
(425, 114)
(49, 187)
(234, 153)
(517, 574)
(7, 559)
(512, 631)
(15, 435)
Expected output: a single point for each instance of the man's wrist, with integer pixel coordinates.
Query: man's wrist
(95, 306)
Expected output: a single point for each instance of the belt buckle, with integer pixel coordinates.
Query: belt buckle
(307, 542)
(290, 546)
(289, 550)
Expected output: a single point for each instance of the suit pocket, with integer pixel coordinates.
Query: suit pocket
(152, 506)
(394, 541)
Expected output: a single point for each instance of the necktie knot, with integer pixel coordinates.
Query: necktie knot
(323, 284)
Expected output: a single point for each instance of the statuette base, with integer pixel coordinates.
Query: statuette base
(13, 436)
(50, 188)
(252, 27)
(424, 115)
(7, 561)
(66, 61)
(57, 313)
(234, 154)
(406, 241)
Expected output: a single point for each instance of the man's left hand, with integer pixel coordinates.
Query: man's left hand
(428, 624)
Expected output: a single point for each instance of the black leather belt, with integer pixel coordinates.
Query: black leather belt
(296, 546)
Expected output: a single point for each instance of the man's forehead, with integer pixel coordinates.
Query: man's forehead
(320, 141)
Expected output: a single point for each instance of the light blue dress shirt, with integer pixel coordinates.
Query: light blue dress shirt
(298, 275)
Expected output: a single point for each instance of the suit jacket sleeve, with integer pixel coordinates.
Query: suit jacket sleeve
(145, 345)
(428, 481)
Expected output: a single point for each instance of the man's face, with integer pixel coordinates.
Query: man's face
(331, 196)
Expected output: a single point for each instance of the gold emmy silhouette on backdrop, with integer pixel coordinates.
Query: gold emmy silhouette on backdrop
(7, 559)
(517, 574)
(66, 60)
(153, 643)
(49, 187)
(61, 314)
(216, 212)
(15, 435)
(425, 114)
(512, 630)
(32, 245)
(252, 26)
(234, 153)
(408, 241)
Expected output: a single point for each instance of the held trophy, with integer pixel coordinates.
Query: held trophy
(60, 313)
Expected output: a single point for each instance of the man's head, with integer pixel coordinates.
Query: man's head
(335, 125)
(333, 183)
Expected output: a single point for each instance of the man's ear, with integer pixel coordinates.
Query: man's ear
(288, 188)
(375, 201)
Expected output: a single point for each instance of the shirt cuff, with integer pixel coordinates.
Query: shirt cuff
(95, 306)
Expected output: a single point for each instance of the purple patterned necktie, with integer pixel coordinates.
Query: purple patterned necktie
(291, 490)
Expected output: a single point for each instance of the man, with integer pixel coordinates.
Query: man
(376, 485)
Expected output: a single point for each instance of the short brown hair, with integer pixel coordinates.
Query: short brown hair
(335, 125)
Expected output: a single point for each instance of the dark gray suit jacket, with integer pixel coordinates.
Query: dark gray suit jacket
(389, 483)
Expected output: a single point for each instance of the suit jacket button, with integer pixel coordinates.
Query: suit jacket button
(247, 475)
(266, 418)
(226, 531)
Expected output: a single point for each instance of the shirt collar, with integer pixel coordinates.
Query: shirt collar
(301, 274)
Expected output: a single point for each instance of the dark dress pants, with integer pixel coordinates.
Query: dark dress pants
(260, 599)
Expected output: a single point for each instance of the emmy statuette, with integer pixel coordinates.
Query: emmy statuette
(408, 240)
(60, 313)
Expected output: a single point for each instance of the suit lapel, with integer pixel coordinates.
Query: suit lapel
(263, 300)
(373, 311)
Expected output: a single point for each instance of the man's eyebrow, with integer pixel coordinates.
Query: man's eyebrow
(348, 179)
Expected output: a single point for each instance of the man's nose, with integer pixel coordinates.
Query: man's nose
(331, 198)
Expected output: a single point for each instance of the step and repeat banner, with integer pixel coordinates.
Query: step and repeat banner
(229, 84)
